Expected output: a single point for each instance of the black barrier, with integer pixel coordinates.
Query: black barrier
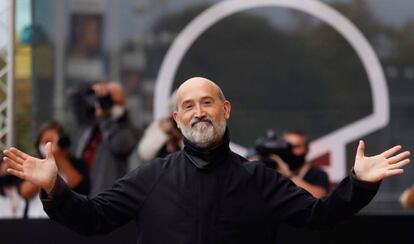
(358, 229)
(45, 231)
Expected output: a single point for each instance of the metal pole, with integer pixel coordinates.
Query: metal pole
(60, 31)
(10, 75)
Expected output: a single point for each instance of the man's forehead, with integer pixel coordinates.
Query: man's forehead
(193, 98)
(196, 89)
(294, 137)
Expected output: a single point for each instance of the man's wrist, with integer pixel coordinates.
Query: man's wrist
(362, 183)
(56, 196)
(354, 174)
(49, 187)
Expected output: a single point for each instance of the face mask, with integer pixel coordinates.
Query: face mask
(42, 150)
(295, 162)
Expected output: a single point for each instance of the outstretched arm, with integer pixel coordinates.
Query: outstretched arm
(40, 172)
(299, 208)
(101, 214)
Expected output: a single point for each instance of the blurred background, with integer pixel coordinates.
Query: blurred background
(280, 67)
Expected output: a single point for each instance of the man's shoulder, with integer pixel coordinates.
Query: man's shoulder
(152, 169)
(251, 167)
(238, 158)
(164, 163)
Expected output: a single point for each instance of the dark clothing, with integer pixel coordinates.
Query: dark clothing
(89, 152)
(84, 186)
(116, 142)
(7, 181)
(318, 177)
(204, 196)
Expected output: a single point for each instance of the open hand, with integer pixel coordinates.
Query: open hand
(41, 172)
(378, 167)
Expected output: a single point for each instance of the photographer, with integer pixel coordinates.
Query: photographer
(107, 143)
(288, 157)
(304, 174)
(11, 204)
(407, 198)
(72, 169)
(161, 137)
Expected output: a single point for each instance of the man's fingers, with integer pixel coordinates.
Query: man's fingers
(393, 172)
(13, 157)
(16, 173)
(12, 164)
(48, 148)
(398, 157)
(399, 164)
(391, 151)
(19, 153)
(361, 149)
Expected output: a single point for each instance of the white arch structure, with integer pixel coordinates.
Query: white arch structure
(334, 142)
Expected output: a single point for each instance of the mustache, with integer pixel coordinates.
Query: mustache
(196, 120)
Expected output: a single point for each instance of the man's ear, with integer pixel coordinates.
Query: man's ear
(174, 114)
(227, 109)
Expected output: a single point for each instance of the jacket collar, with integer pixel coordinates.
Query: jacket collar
(204, 157)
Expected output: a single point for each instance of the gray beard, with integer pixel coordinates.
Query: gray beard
(204, 134)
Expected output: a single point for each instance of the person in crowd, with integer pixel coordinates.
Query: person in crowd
(12, 205)
(109, 140)
(204, 193)
(287, 155)
(72, 170)
(303, 173)
(407, 198)
(161, 137)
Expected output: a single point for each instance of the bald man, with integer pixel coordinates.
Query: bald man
(205, 193)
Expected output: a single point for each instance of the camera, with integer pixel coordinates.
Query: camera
(91, 98)
(83, 99)
(64, 141)
(272, 144)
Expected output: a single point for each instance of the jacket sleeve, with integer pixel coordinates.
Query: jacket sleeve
(109, 209)
(293, 205)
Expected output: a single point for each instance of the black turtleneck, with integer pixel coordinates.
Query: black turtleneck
(205, 157)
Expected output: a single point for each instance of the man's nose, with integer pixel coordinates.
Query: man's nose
(199, 113)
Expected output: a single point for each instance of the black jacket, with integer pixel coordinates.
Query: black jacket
(183, 199)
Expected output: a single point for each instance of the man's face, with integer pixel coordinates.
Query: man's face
(201, 114)
(298, 144)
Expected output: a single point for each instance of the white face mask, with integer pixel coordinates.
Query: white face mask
(42, 150)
